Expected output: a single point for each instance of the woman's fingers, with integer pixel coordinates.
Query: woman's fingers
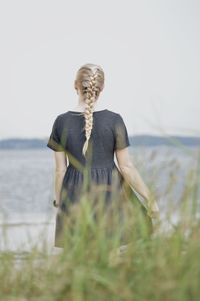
(153, 213)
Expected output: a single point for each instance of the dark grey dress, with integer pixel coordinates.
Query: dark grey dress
(108, 134)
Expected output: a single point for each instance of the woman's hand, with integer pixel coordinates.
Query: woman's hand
(153, 211)
(55, 203)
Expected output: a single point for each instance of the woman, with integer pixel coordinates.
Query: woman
(90, 137)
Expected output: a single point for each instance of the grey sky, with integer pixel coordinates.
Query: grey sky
(149, 51)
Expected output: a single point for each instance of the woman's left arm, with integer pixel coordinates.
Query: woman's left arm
(60, 169)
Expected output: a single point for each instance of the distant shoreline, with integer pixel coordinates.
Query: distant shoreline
(136, 140)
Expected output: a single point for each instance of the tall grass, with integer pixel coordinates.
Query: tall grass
(111, 255)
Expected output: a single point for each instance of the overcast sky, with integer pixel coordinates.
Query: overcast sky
(149, 51)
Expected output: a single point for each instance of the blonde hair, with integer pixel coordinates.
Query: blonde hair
(90, 81)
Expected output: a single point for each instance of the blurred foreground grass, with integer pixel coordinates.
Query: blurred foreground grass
(96, 265)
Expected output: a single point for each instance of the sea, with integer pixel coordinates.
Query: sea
(27, 215)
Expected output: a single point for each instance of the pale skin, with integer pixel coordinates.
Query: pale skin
(126, 168)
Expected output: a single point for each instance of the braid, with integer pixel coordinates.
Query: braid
(90, 81)
(88, 113)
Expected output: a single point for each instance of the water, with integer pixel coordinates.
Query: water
(26, 189)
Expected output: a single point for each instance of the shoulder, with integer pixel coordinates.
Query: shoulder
(58, 121)
(116, 116)
(61, 117)
(113, 113)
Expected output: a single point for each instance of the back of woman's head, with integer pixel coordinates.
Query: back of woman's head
(90, 82)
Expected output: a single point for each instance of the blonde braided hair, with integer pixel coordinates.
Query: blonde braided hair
(90, 79)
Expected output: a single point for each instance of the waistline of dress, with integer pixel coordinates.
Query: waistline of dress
(110, 166)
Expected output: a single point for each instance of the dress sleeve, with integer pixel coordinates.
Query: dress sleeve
(54, 141)
(120, 133)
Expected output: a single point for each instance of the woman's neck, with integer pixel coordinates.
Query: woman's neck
(81, 106)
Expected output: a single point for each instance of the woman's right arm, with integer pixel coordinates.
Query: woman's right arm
(133, 178)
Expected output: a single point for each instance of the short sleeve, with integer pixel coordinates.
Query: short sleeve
(54, 141)
(121, 134)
